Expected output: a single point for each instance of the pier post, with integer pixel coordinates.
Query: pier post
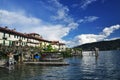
(81, 54)
(96, 52)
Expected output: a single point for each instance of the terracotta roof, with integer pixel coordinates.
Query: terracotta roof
(36, 38)
(61, 43)
(54, 42)
(21, 34)
(12, 31)
(33, 34)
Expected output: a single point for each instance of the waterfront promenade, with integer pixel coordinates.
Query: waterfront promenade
(2, 62)
(47, 63)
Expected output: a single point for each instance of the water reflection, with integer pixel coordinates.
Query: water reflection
(104, 67)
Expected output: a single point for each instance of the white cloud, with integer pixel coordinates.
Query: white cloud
(62, 13)
(17, 19)
(112, 39)
(89, 38)
(108, 30)
(49, 31)
(25, 23)
(85, 3)
(52, 32)
(88, 19)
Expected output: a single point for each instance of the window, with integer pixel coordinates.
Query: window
(9, 35)
(3, 42)
(17, 36)
(14, 36)
(4, 34)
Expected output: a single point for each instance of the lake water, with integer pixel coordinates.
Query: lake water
(105, 67)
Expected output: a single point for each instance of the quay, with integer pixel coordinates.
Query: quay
(1, 63)
(47, 63)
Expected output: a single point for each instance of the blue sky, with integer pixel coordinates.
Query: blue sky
(74, 22)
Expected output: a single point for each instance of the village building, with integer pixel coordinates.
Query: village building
(10, 37)
(55, 45)
(62, 47)
(58, 46)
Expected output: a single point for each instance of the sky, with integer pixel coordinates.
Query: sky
(73, 22)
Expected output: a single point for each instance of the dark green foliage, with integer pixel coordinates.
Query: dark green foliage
(77, 48)
(49, 48)
(67, 53)
(103, 45)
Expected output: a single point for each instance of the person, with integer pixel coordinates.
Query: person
(36, 57)
(10, 59)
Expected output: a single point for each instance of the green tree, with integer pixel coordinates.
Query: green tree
(49, 48)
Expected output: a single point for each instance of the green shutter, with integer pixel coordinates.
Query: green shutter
(3, 42)
(10, 43)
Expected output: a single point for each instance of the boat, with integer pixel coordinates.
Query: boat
(52, 57)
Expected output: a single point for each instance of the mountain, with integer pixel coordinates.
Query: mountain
(102, 45)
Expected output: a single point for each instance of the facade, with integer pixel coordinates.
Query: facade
(35, 39)
(58, 46)
(10, 37)
(62, 46)
(55, 45)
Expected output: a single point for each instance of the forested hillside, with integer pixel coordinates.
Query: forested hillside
(103, 45)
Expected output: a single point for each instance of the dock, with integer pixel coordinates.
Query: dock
(2, 63)
(47, 63)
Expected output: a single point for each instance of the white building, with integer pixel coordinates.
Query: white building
(62, 47)
(10, 37)
(35, 39)
(58, 46)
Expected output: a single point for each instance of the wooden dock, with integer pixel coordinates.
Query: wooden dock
(47, 63)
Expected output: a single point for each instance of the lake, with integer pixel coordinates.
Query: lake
(105, 67)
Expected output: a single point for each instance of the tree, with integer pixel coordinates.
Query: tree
(49, 48)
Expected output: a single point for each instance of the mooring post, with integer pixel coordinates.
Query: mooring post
(96, 52)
